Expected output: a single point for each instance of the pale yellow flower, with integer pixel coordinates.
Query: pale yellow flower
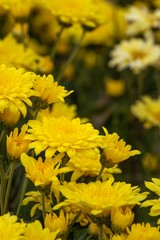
(35, 230)
(99, 198)
(16, 89)
(49, 90)
(121, 219)
(63, 135)
(10, 228)
(16, 144)
(143, 231)
(42, 173)
(134, 54)
(147, 110)
(140, 20)
(115, 149)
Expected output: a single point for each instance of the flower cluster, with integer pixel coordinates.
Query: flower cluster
(79, 110)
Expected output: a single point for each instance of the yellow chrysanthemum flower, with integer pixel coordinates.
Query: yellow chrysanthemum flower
(87, 163)
(49, 90)
(147, 110)
(143, 231)
(42, 173)
(121, 219)
(134, 54)
(54, 223)
(16, 144)
(112, 29)
(116, 150)
(99, 198)
(63, 135)
(72, 11)
(36, 197)
(59, 109)
(35, 230)
(16, 88)
(18, 9)
(15, 54)
(153, 203)
(10, 228)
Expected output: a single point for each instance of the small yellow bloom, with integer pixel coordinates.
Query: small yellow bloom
(9, 118)
(119, 237)
(10, 228)
(121, 219)
(114, 88)
(150, 162)
(16, 144)
(42, 173)
(35, 230)
(143, 231)
(54, 223)
(49, 90)
(116, 150)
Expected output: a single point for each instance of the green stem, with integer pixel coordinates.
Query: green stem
(36, 113)
(54, 48)
(2, 139)
(100, 172)
(43, 204)
(2, 188)
(100, 236)
(11, 172)
(22, 195)
(23, 34)
(71, 57)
